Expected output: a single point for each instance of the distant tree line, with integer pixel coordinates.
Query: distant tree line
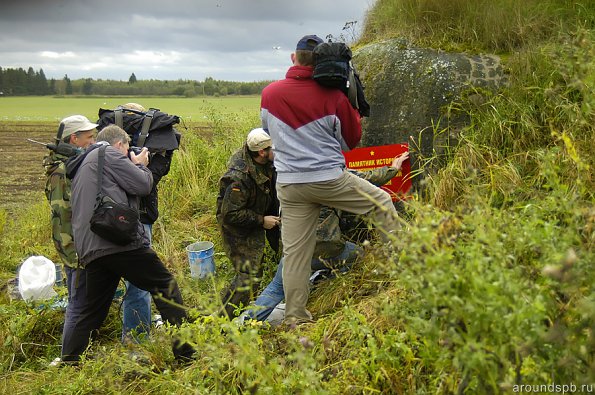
(21, 82)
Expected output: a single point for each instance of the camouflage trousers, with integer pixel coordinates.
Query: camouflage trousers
(242, 289)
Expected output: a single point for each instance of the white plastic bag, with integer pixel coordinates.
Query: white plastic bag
(278, 315)
(37, 276)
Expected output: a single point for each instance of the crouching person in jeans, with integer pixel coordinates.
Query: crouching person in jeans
(124, 180)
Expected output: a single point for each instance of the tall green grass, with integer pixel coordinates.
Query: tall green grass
(546, 114)
(495, 26)
(501, 286)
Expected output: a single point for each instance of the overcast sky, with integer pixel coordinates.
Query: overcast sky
(237, 40)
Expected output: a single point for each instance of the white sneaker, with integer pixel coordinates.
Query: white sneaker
(240, 320)
(56, 362)
(157, 321)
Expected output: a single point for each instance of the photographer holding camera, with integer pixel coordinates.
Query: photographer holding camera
(105, 262)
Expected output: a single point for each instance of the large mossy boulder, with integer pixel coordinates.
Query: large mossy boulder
(409, 90)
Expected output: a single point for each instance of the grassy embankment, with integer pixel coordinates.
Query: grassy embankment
(493, 284)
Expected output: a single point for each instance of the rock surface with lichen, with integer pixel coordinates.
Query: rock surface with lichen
(409, 90)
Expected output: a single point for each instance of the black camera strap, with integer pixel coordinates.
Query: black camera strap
(100, 164)
(112, 221)
(119, 117)
(146, 125)
(144, 132)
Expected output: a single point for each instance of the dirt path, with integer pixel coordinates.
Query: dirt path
(20, 161)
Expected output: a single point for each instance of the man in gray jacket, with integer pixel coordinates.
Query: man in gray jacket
(124, 179)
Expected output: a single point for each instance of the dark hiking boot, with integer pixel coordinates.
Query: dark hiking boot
(184, 353)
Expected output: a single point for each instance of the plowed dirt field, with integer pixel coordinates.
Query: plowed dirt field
(20, 162)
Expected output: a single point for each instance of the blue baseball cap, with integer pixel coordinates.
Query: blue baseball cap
(307, 43)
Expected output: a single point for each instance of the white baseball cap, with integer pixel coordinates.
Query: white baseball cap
(76, 123)
(258, 139)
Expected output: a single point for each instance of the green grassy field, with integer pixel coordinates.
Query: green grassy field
(47, 108)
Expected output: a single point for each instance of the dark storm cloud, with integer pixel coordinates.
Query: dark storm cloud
(224, 35)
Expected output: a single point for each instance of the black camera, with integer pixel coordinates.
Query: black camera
(136, 150)
(61, 148)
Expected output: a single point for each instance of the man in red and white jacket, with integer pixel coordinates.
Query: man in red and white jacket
(310, 125)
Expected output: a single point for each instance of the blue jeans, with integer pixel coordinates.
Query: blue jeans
(273, 294)
(136, 321)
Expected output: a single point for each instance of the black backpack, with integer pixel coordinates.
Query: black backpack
(152, 129)
(333, 69)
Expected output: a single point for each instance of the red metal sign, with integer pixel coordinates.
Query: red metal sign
(372, 157)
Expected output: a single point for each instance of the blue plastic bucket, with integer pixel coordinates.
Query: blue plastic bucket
(200, 256)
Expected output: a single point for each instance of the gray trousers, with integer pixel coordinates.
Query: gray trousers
(300, 207)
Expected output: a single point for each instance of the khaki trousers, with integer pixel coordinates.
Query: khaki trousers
(300, 207)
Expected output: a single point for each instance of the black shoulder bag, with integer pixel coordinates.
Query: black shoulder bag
(115, 222)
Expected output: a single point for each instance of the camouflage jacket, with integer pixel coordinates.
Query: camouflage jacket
(246, 195)
(57, 191)
(329, 238)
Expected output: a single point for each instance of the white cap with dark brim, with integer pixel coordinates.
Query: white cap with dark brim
(258, 139)
(76, 123)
